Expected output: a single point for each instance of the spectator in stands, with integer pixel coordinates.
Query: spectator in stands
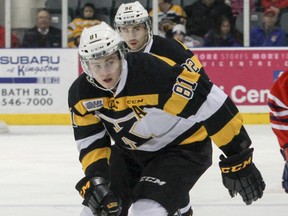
(168, 16)
(14, 40)
(237, 7)
(258, 6)
(222, 35)
(201, 16)
(76, 36)
(268, 34)
(87, 18)
(280, 6)
(43, 35)
(179, 33)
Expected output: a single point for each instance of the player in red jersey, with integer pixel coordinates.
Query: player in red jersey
(278, 104)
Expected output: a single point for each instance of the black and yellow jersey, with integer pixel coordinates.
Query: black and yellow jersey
(176, 51)
(156, 105)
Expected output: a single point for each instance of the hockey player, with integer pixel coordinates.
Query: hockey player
(161, 117)
(133, 23)
(278, 104)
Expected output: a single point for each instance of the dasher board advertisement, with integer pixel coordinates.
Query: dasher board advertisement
(246, 75)
(36, 80)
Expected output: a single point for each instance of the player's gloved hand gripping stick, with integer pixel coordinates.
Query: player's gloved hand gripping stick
(240, 175)
(98, 197)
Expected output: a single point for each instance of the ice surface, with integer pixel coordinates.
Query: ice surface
(39, 168)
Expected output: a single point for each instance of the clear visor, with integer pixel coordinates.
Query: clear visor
(102, 64)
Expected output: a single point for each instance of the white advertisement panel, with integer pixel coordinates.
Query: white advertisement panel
(36, 80)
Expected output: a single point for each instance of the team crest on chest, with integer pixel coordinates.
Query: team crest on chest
(92, 105)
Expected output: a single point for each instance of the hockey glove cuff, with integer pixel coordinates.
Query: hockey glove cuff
(98, 197)
(285, 177)
(284, 152)
(240, 175)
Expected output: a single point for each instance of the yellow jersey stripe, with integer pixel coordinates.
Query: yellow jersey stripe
(165, 59)
(227, 133)
(192, 77)
(184, 46)
(121, 103)
(94, 156)
(80, 107)
(196, 62)
(177, 102)
(86, 120)
(199, 135)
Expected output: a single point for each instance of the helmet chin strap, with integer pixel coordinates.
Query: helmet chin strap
(92, 81)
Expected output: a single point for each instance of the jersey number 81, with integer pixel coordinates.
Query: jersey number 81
(184, 88)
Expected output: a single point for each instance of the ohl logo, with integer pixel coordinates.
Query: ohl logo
(93, 104)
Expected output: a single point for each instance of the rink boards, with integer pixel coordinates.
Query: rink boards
(34, 82)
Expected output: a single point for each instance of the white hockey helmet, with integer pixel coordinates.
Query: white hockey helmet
(98, 41)
(131, 13)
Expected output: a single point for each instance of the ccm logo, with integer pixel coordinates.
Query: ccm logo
(135, 101)
(152, 180)
(85, 188)
(237, 167)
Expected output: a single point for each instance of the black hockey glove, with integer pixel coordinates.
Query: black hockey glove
(285, 177)
(240, 175)
(98, 197)
(284, 152)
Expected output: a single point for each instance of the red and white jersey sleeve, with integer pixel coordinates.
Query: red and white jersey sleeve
(278, 104)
